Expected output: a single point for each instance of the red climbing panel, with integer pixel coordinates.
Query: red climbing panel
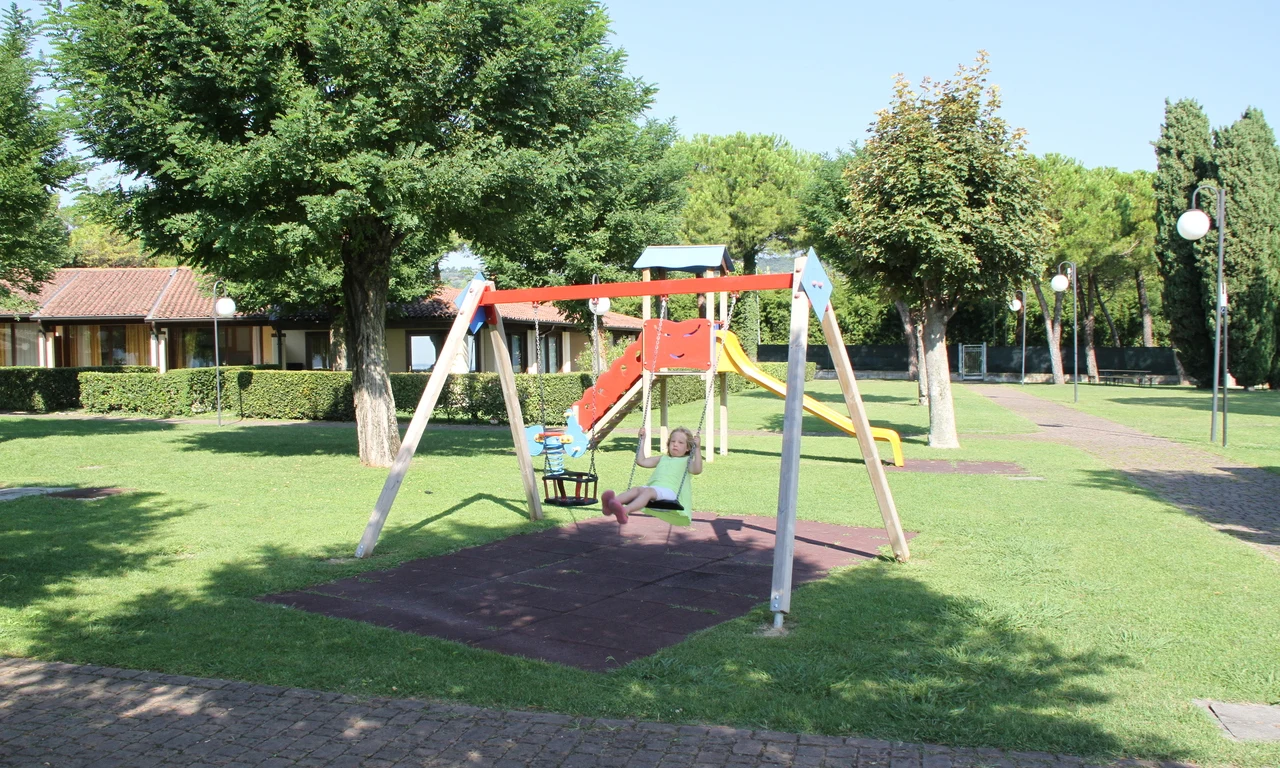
(610, 387)
(683, 345)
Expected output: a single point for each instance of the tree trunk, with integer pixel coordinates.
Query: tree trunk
(1052, 331)
(366, 273)
(1090, 354)
(942, 414)
(913, 332)
(338, 344)
(1148, 333)
(1115, 337)
(922, 380)
(909, 334)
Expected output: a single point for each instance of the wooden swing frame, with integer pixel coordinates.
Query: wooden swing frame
(483, 296)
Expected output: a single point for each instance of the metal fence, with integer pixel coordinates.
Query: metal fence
(1000, 360)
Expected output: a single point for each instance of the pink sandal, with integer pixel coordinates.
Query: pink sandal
(606, 499)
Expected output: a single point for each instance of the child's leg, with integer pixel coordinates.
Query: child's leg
(644, 494)
(629, 495)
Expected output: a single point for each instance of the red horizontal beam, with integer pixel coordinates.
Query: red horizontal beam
(732, 284)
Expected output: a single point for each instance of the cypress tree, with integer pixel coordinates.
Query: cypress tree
(1248, 165)
(1183, 161)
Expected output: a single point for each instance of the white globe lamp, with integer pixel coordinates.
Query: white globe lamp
(224, 307)
(1194, 224)
(1059, 283)
(599, 306)
(1015, 304)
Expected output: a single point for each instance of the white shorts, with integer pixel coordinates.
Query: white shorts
(663, 494)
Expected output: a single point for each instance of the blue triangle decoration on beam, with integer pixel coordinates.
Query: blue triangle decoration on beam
(477, 320)
(816, 284)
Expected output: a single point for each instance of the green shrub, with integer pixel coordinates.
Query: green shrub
(48, 389)
(276, 394)
(147, 393)
(270, 393)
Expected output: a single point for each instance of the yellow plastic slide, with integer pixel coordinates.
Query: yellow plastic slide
(734, 359)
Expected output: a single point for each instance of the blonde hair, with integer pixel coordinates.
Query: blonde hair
(688, 439)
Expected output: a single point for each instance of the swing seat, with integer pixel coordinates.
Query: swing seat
(555, 489)
(670, 512)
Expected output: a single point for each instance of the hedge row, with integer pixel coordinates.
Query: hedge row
(270, 393)
(48, 389)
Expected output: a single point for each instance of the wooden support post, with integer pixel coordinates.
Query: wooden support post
(515, 416)
(664, 428)
(789, 473)
(709, 381)
(646, 306)
(724, 414)
(709, 403)
(418, 425)
(870, 454)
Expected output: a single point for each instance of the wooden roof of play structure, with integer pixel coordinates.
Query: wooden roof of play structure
(686, 258)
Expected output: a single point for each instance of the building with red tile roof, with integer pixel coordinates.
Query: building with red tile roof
(163, 316)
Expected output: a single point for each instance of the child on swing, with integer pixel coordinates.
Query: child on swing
(666, 481)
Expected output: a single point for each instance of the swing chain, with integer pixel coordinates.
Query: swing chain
(648, 403)
(542, 391)
(715, 365)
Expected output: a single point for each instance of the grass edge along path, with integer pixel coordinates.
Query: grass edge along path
(1022, 622)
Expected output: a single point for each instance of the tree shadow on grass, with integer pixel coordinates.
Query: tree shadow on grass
(397, 538)
(775, 422)
(874, 652)
(339, 440)
(36, 428)
(871, 652)
(1239, 403)
(46, 543)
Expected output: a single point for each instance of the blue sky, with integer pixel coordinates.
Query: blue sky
(1085, 78)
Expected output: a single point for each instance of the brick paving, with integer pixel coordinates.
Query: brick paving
(63, 715)
(1239, 499)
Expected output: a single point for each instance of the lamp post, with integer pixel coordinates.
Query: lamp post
(1193, 225)
(1019, 304)
(1059, 284)
(222, 307)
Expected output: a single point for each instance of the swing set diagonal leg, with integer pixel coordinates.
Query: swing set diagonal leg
(506, 375)
(435, 385)
(870, 455)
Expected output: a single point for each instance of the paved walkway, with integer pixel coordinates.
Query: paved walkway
(1236, 498)
(63, 715)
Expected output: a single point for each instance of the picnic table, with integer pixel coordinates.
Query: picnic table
(1122, 376)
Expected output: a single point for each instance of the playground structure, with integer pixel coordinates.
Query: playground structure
(689, 345)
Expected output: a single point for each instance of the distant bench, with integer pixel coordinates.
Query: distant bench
(1120, 376)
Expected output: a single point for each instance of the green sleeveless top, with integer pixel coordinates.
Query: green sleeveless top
(668, 474)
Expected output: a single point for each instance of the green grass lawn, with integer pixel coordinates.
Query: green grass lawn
(1071, 613)
(890, 404)
(1183, 413)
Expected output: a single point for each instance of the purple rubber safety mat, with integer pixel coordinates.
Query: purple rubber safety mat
(593, 595)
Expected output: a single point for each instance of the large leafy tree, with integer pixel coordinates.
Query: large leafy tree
(341, 143)
(1103, 225)
(33, 166)
(1248, 166)
(822, 206)
(744, 191)
(1184, 159)
(944, 207)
